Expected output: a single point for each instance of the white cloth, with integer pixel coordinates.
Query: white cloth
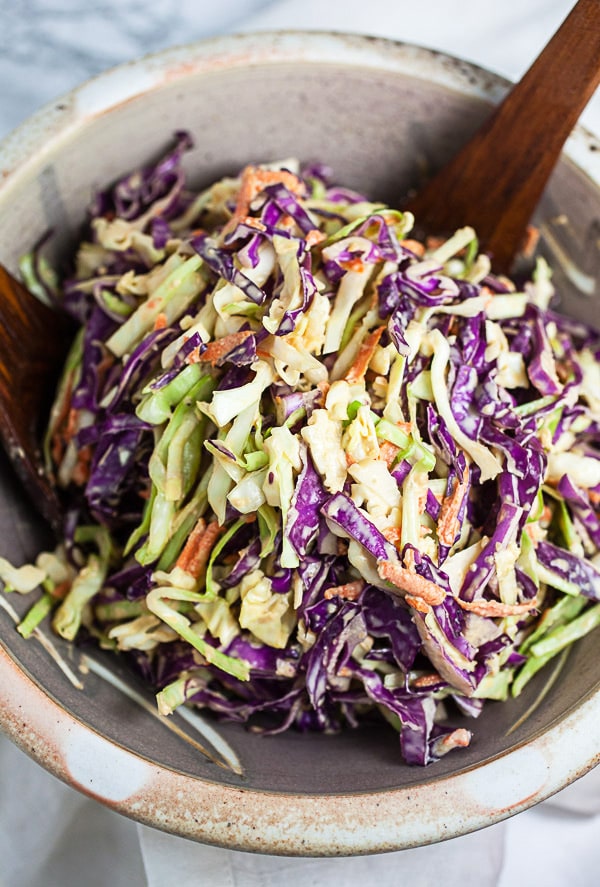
(51, 836)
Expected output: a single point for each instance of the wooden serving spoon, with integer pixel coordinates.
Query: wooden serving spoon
(33, 344)
(493, 184)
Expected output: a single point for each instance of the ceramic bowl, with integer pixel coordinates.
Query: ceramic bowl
(383, 115)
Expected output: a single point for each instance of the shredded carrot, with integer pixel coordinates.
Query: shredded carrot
(388, 452)
(363, 358)
(535, 532)
(214, 351)
(415, 246)
(196, 551)
(530, 241)
(252, 222)
(497, 608)
(191, 543)
(195, 355)
(61, 590)
(422, 501)
(447, 525)
(313, 237)
(57, 448)
(459, 738)
(161, 321)
(81, 471)
(427, 680)
(254, 180)
(350, 591)
(417, 603)
(354, 264)
(393, 534)
(412, 583)
(71, 428)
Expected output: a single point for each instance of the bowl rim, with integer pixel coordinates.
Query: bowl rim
(37, 135)
(294, 824)
(233, 817)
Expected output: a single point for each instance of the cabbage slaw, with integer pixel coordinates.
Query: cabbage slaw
(314, 469)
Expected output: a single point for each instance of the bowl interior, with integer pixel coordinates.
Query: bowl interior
(382, 129)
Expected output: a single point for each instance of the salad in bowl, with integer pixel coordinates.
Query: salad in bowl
(315, 470)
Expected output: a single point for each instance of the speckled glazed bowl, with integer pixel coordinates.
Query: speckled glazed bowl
(381, 114)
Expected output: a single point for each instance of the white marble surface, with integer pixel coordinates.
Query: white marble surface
(49, 46)
(50, 836)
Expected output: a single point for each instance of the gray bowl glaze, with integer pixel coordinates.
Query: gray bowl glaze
(382, 115)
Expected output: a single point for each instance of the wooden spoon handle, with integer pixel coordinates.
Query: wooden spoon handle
(33, 341)
(495, 182)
